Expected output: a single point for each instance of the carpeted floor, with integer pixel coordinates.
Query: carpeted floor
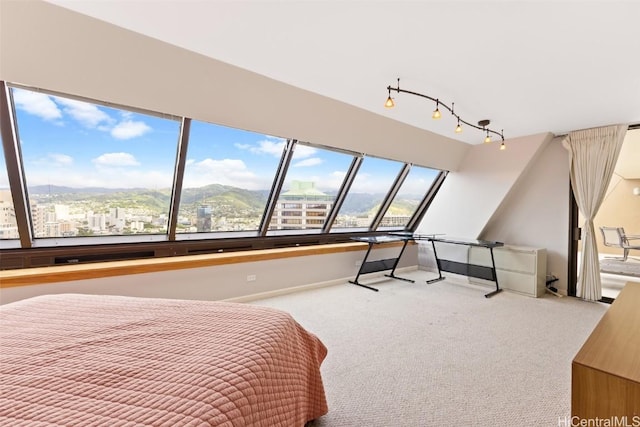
(630, 267)
(442, 354)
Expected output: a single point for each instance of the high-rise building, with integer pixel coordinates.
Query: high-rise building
(62, 212)
(40, 219)
(203, 218)
(301, 207)
(97, 222)
(8, 226)
(115, 214)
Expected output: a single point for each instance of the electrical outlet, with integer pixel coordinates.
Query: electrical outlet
(251, 278)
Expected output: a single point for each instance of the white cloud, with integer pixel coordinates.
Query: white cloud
(272, 146)
(109, 177)
(49, 161)
(303, 151)
(129, 129)
(56, 159)
(313, 161)
(116, 159)
(367, 183)
(415, 187)
(36, 103)
(88, 115)
(232, 172)
(334, 180)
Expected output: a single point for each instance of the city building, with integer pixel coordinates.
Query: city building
(203, 218)
(301, 207)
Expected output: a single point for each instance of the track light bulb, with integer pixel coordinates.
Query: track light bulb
(502, 146)
(487, 139)
(436, 114)
(389, 103)
(458, 128)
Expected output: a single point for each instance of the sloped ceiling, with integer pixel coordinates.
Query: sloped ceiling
(529, 67)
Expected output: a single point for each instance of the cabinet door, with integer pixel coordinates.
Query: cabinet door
(518, 282)
(515, 260)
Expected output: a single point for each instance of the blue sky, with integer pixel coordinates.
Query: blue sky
(79, 144)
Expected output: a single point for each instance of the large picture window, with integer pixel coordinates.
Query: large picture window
(407, 200)
(310, 188)
(227, 179)
(370, 187)
(93, 170)
(107, 182)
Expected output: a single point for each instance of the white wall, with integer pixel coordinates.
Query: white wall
(53, 48)
(227, 281)
(470, 196)
(521, 199)
(535, 213)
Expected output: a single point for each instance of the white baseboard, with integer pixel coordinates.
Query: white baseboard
(285, 291)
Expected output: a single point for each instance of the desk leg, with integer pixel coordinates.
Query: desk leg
(364, 261)
(495, 277)
(440, 276)
(395, 264)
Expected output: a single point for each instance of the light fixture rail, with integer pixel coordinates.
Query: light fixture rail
(482, 124)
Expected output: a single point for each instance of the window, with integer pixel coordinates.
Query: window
(407, 200)
(371, 185)
(227, 179)
(93, 170)
(101, 175)
(291, 205)
(313, 180)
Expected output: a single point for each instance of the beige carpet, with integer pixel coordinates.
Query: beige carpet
(442, 354)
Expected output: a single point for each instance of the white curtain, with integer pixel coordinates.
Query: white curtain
(593, 154)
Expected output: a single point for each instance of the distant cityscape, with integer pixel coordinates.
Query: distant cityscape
(71, 212)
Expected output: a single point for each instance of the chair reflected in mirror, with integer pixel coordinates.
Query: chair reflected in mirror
(615, 237)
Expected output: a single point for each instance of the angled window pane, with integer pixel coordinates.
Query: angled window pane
(8, 225)
(407, 200)
(93, 170)
(228, 176)
(371, 185)
(310, 188)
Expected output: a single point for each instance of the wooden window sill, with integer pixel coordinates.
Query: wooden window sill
(64, 273)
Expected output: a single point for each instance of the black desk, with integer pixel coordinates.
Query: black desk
(464, 268)
(381, 264)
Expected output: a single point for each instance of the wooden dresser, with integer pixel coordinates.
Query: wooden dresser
(605, 374)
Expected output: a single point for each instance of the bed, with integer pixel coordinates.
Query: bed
(87, 360)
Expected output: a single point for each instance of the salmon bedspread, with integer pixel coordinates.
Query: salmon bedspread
(86, 360)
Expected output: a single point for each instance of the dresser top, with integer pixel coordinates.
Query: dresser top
(614, 345)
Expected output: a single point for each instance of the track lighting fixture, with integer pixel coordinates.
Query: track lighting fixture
(389, 103)
(482, 124)
(458, 128)
(436, 112)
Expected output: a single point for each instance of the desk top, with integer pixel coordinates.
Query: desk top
(453, 240)
(414, 236)
(380, 239)
(614, 344)
(468, 242)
